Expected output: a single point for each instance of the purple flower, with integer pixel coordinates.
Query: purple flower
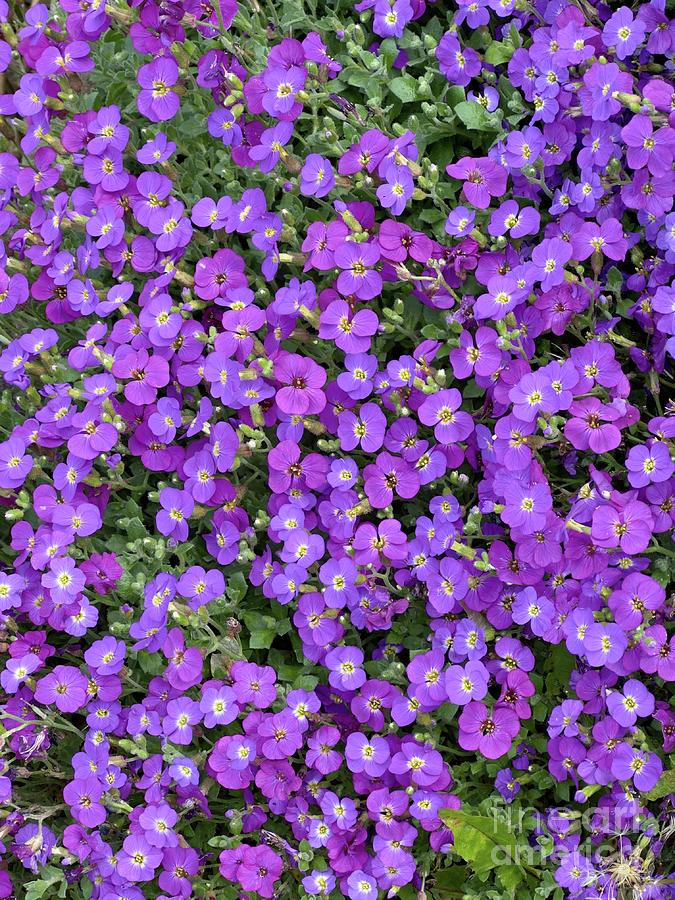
(155, 151)
(357, 277)
(623, 32)
(367, 429)
(397, 189)
(106, 656)
(138, 859)
(281, 87)
(344, 665)
(15, 463)
(156, 101)
(466, 683)
(222, 124)
(642, 768)
(527, 507)
(451, 425)
(603, 644)
(426, 677)
(177, 507)
(548, 259)
(458, 64)
(82, 796)
(601, 82)
(270, 149)
(317, 178)
(361, 886)
(181, 715)
(418, 762)
(649, 464)
(632, 701)
(16, 671)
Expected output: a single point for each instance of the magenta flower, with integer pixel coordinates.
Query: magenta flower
(389, 477)
(491, 733)
(302, 380)
(592, 426)
(281, 735)
(627, 525)
(65, 687)
(259, 870)
(607, 239)
(483, 179)
(147, 373)
(254, 684)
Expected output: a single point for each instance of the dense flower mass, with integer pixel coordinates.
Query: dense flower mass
(337, 453)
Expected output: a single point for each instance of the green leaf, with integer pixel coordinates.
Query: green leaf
(510, 876)
(483, 842)
(388, 51)
(614, 280)
(404, 87)
(236, 587)
(664, 786)
(46, 886)
(262, 630)
(498, 53)
(560, 666)
(135, 529)
(477, 118)
(151, 663)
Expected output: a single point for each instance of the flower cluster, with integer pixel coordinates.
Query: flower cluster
(337, 448)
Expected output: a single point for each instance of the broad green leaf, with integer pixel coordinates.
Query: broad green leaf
(236, 587)
(405, 88)
(482, 841)
(498, 53)
(664, 786)
(476, 117)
